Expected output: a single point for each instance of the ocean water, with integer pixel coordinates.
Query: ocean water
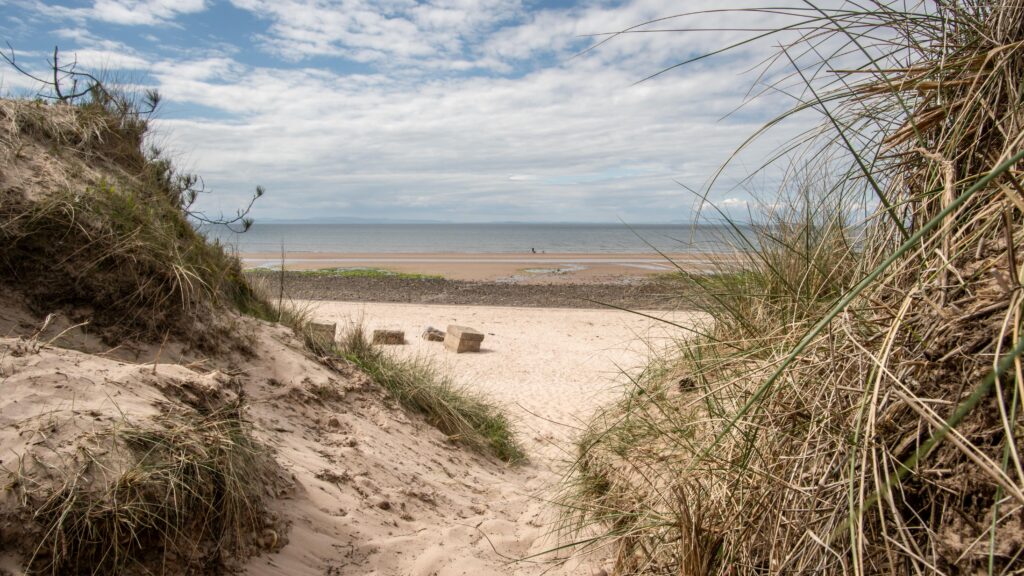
(475, 238)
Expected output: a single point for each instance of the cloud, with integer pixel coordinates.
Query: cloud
(562, 143)
(390, 32)
(145, 12)
(491, 35)
(100, 59)
(731, 202)
(125, 12)
(464, 110)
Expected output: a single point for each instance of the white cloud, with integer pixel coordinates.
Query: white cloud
(89, 59)
(390, 32)
(147, 12)
(565, 143)
(536, 131)
(126, 12)
(731, 202)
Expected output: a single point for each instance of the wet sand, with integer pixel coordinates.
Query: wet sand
(635, 295)
(519, 268)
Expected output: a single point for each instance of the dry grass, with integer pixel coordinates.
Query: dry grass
(184, 492)
(92, 225)
(862, 416)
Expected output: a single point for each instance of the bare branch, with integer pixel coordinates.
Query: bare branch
(186, 187)
(11, 60)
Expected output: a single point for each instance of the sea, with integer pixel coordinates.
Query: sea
(502, 238)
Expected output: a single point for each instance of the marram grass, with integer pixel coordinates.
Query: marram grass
(855, 405)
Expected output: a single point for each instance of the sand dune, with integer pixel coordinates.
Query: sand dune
(366, 487)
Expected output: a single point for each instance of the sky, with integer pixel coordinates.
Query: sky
(444, 110)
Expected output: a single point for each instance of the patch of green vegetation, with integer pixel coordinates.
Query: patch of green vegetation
(354, 273)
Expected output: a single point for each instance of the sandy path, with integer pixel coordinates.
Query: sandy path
(552, 368)
(365, 488)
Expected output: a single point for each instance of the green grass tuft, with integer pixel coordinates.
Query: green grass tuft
(466, 417)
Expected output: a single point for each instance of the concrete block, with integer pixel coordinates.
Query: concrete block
(323, 334)
(461, 339)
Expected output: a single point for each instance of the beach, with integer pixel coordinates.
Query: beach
(518, 268)
(315, 289)
(550, 368)
(552, 352)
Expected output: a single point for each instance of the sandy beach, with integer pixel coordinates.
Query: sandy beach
(367, 487)
(549, 357)
(551, 367)
(435, 288)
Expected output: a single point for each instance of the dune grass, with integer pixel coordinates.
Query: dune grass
(854, 405)
(466, 417)
(105, 229)
(183, 491)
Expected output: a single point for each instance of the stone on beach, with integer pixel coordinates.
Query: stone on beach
(432, 334)
(388, 337)
(461, 339)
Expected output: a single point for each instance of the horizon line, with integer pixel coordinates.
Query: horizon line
(529, 222)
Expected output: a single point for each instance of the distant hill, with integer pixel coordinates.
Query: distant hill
(355, 220)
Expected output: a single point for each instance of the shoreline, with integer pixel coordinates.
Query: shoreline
(633, 295)
(503, 267)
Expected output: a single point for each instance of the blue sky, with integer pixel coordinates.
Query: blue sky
(457, 110)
